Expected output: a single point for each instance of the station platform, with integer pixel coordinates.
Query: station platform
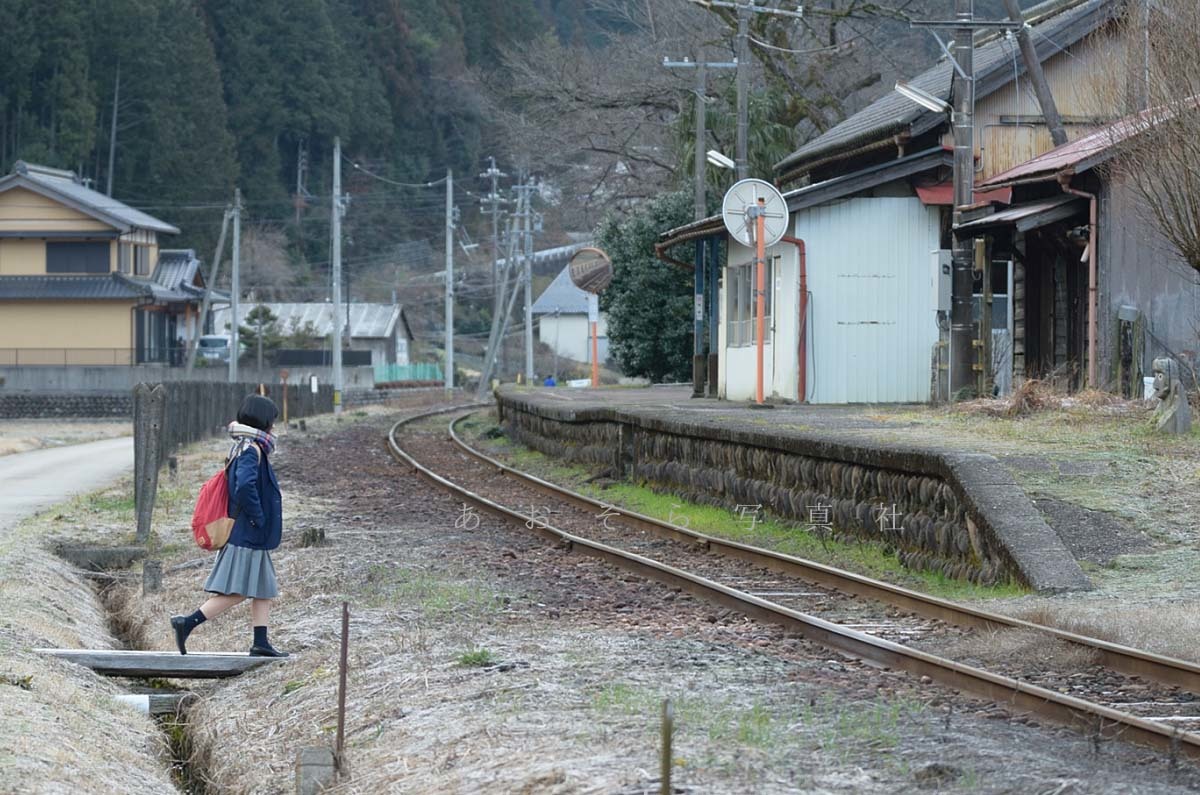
(953, 510)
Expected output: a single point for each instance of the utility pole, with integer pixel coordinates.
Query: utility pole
(962, 280)
(701, 90)
(1033, 66)
(449, 358)
(235, 286)
(500, 319)
(700, 210)
(745, 9)
(492, 202)
(963, 359)
(112, 130)
(336, 234)
(528, 279)
(209, 286)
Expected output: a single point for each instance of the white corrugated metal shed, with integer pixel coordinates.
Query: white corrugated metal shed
(367, 321)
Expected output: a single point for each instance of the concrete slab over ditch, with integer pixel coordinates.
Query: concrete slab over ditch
(958, 513)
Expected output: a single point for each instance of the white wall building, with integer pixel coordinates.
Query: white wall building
(561, 312)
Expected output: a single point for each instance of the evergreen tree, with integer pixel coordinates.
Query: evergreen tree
(649, 303)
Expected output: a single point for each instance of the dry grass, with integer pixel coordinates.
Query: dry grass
(1034, 396)
(64, 732)
(1168, 629)
(1018, 648)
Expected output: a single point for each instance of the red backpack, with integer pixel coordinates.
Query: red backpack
(211, 523)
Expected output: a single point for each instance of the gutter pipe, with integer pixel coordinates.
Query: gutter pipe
(1064, 182)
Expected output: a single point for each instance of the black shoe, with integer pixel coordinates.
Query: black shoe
(183, 627)
(266, 651)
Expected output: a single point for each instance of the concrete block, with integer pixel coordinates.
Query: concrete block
(315, 770)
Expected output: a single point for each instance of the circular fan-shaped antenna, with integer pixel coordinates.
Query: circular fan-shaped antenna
(740, 205)
(590, 270)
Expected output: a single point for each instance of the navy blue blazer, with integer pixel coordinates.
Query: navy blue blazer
(254, 501)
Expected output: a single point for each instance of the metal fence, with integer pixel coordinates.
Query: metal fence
(421, 371)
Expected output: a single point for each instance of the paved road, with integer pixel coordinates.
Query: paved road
(32, 481)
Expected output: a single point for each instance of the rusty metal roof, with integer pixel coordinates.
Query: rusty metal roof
(1030, 215)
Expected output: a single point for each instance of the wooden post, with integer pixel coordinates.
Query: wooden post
(983, 266)
(151, 576)
(149, 408)
(283, 377)
(344, 662)
(668, 729)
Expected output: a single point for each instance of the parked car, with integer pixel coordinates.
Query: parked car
(214, 347)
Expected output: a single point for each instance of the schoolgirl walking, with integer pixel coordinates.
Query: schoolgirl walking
(243, 568)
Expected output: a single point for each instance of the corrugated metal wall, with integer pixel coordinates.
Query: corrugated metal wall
(873, 322)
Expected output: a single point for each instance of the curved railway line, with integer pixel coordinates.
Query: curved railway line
(868, 619)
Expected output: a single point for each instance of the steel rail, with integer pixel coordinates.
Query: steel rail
(1063, 709)
(1125, 659)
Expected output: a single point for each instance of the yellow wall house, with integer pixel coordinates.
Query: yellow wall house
(82, 279)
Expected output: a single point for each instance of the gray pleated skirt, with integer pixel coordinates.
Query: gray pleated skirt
(243, 571)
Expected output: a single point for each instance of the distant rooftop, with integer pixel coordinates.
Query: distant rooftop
(561, 296)
(367, 321)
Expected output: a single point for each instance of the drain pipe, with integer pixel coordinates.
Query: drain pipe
(802, 349)
(1064, 181)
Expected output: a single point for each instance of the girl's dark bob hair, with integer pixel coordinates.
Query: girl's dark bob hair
(258, 412)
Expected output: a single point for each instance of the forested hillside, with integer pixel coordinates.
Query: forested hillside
(170, 104)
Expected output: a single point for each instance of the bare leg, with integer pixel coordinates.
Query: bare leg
(260, 611)
(217, 605)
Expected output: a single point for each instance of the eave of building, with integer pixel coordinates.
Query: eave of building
(813, 195)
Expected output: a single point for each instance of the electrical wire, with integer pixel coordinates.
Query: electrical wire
(388, 181)
(815, 50)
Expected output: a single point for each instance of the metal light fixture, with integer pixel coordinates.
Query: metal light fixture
(719, 160)
(922, 98)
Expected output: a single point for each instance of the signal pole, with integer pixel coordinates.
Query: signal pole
(235, 286)
(449, 363)
(336, 233)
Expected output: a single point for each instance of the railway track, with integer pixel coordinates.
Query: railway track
(1102, 699)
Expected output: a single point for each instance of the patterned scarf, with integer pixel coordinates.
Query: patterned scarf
(265, 440)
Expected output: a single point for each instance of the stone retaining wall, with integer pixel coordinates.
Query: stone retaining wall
(959, 514)
(74, 405)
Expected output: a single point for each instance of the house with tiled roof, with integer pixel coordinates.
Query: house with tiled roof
(83, 280)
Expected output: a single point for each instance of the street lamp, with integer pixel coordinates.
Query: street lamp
(719, 160)
(922, 98)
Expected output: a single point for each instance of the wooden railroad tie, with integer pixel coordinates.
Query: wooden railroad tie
(150, 664)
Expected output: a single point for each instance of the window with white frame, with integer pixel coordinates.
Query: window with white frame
(740, 285)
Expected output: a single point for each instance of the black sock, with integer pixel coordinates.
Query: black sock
(260, 637)
(195, 620)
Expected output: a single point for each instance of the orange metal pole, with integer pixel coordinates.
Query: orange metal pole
(761, 291)
(595, 356)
